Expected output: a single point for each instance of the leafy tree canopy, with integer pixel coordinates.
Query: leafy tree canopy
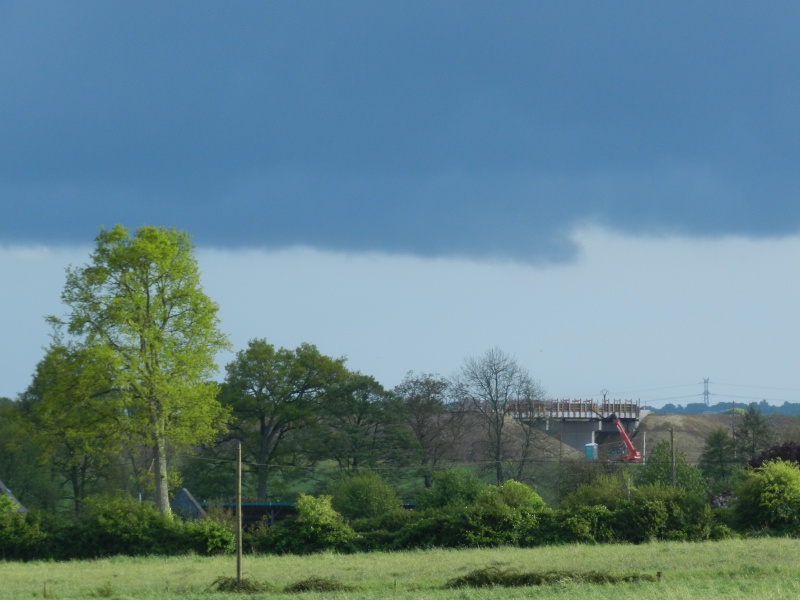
(140, 299)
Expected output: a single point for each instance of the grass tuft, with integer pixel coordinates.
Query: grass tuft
(318, 584)
(245, 586)
(495, 577)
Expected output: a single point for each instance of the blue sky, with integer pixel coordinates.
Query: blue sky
(608, 191)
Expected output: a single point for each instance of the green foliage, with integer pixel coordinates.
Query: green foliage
(364, 494)
(661, 512)
(208, 536)
(120, 525)
(316, 527)
(717, 462)
(22, 463)
(658, 469)
(513, 495)
(589, 525)
(273, 393)
(362, 425)
(140, 301)
(769, 498)
(605, 490)
(476, 515)
(74, 416)
(752, 434)
(7, 505)
(453, 487)
(21, 534)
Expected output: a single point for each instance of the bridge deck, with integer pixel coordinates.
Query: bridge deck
(589, 410)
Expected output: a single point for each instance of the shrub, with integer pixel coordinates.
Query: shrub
(381, 533)
(640, 521)
(207, 537)
(589, 525)
(769, 497)
(585, 525)
(21, 536)
(315, 527)
(513, 495)
(363, 495)
(453, 487)
(689, 516)
(7, 505)
(112, 525)
(658, 511)
(605, 490)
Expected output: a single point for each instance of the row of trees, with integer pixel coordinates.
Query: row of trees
(126, 389)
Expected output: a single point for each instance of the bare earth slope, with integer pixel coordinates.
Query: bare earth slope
(692, 430)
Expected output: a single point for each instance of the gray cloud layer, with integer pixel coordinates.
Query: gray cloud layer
(445, 128)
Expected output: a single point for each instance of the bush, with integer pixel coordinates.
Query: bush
(513, 495)
(381, 533)
(315, 527)
(208, 537)
(453, 487)
(605, 490)
(641, 521)
(584, 525)
(363, 495)
(662, 512)
(120, 525)
(21, 536)
(7, 505)
(589, 525)
(769, 498)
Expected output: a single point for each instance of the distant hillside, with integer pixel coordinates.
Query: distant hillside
(789, 409)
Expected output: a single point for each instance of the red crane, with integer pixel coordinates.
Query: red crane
(631, 455)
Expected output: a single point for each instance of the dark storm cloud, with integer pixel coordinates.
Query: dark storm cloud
(431, 128)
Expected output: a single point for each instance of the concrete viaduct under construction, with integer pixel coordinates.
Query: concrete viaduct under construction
(581, 422)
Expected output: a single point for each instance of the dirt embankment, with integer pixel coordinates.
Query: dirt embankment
(691, 431)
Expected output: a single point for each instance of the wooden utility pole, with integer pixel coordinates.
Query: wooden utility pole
(239, 514)
(672, 448)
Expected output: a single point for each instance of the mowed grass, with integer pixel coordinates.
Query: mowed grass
(762, 568)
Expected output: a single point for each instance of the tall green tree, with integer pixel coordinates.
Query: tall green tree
(22, 467)
(718, 461)
(273, 393)
(752, 434)
(361, 425)
(76, 416)
(140, 298)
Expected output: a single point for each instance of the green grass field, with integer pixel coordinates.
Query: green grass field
(759, 568)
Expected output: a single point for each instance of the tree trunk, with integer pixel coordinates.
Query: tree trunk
(160, 472)
(263, 455)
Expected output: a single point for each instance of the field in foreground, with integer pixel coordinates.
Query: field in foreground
(764, 568)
